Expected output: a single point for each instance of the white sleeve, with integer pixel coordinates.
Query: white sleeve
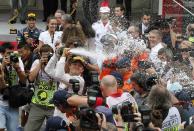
(35, 63)
(21, 64)
(41, 37)
(65, 77)
(50, 67)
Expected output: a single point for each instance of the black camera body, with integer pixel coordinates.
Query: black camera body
(145, 114)
(14, 57)
(127, 110)
(94, 90)
(88, 118)
(75, 85)
(144, 65)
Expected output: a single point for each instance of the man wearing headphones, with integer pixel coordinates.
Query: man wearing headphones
(142, 84)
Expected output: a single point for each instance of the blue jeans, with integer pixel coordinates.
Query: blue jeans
(9, 118)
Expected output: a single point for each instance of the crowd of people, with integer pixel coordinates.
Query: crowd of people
(106, 75)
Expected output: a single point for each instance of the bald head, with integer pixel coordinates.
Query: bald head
(109, 81)
(108, 85)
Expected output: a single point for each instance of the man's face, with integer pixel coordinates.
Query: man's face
(58, 16)
(136, 87)
(76, 68)
(31, 23)
(6, 56)
(118, 12)
(133, 33)
(24, 53)
(146, 19)
(44, 56)
(162, 57)
(154, 39)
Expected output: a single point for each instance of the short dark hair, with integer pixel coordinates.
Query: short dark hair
(120, 6)
(6, 45)
(46, 48)
(145, 13)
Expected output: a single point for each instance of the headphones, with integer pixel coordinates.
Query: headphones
(143, 80)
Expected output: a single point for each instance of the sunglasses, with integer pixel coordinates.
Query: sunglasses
(185, 50)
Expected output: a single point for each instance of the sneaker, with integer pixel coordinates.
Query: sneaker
(20, 129)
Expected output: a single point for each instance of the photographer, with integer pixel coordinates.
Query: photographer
(142, 84)
(110, 95)
(164, 115)
(11, 74)
(76, 68)
(45, 86)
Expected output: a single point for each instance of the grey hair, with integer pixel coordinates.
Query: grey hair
(67, 18)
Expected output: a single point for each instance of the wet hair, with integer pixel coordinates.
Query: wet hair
(87, 28)
(157, 32)
(73, 31)
(168, 53)
(160, 101)
(76, 41)
(159, 97)
(46, 48)
(122, 8)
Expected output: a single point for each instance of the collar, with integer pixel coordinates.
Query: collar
(118, 93)
(107, 24)
(158, 46)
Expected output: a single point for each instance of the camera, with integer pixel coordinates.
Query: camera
(60, 50)
(144, 65)
(127, 110)
(49, 56)
(191, 53)
(145, 114)
(94, 90)
(75, 85)
(88, 118)
(14, 57)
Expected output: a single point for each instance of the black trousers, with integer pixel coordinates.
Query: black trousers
(64, 5)
(50, 7)
(128, 5)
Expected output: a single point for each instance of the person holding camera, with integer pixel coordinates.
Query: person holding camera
(72, 81)
(164, 115)
(30, 34)
(45, 86)
(142, 84)
(11, 74)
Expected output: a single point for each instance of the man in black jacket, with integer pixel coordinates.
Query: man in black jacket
(128, 7)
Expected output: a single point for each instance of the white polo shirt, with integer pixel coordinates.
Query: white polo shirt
(46, 38)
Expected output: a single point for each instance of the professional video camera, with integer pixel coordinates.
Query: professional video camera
(127, 110)
(94, 90)
(14, 57)
(75, 85)
(88, 118)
